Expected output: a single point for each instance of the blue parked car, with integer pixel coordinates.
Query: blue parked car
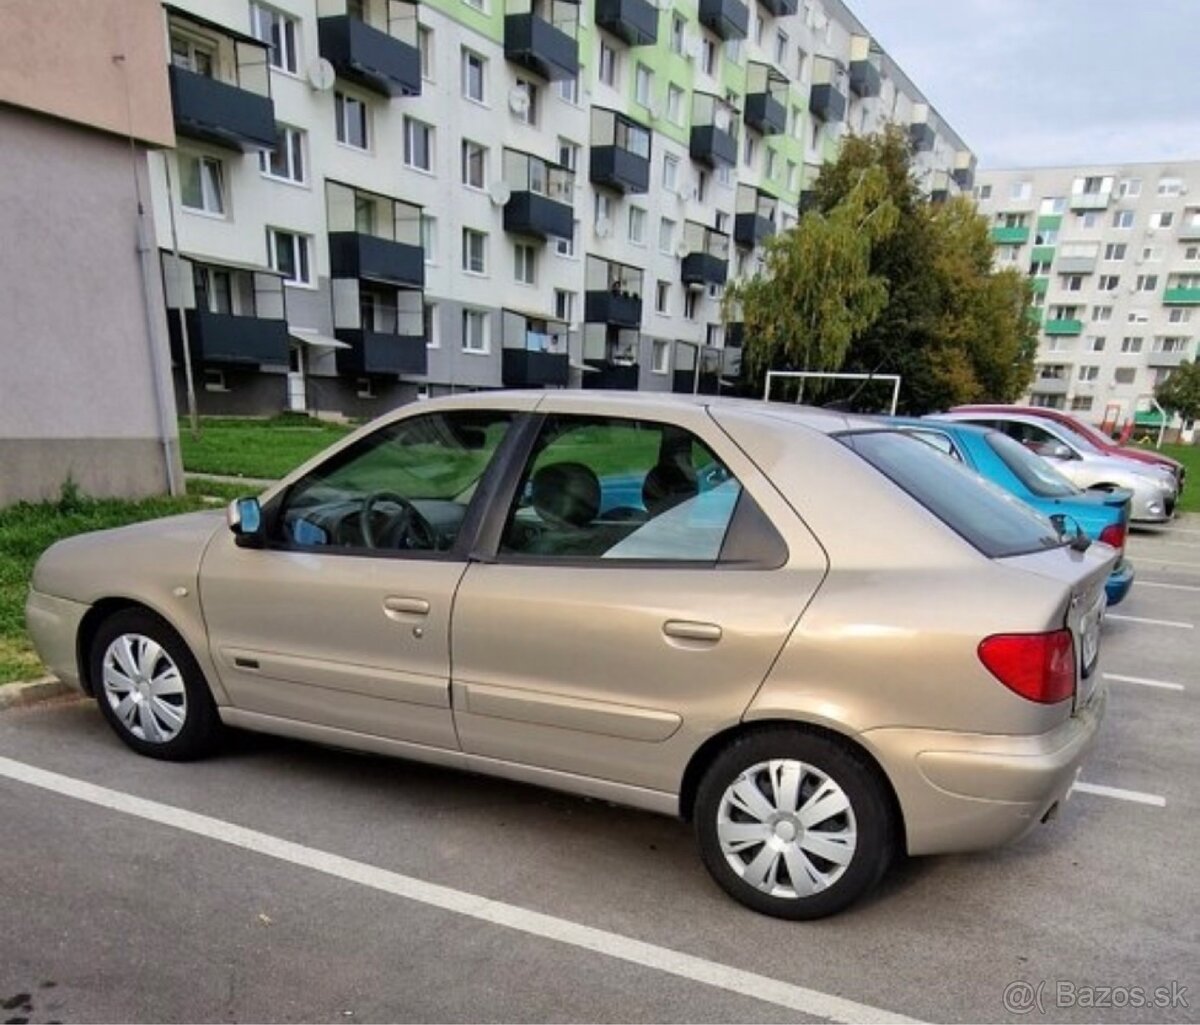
(1102, 515)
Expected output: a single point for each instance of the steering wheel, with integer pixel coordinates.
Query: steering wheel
(406, 529)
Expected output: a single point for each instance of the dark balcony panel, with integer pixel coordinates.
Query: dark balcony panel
(369, 57)
(939, 195)
(964, 177)
(865, 79)
(620, 309)
(703, 269)
(219, 113)
(223, 339)
(619, 169)
(827, 103)
(921, 136)
(780, 8)
(635, 21)
(610, 376)
(530, 213)
(373, 353)
(765, 113)
(686, 382)
(808, 200)
(729, 19)
(540, 47)
(750, 230)
(735, 334)
(711, 146)
(523, 368)
(352, 255)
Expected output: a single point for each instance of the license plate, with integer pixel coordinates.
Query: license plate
(1089, 644)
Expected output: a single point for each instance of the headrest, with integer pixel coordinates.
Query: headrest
(665, 486)
(566, 493)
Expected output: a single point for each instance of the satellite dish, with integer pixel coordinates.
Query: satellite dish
(499, 192)
(682, 249)
(518, 100)
(321, 75)
(721, 120)
(603, 227)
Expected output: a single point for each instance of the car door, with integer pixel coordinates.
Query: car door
(631, 599)
(342, 619)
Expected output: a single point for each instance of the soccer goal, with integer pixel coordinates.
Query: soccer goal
(814, 375)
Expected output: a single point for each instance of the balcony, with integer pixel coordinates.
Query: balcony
(369, 57)
(752, 229)
(375, 353)
(1063, 326)
(808, 201)
(735, 334)
(780, 8)
(1090, 200)
(1010, 236)
(865, 80)
(921, 137)
(1179, 296)
(1040, 285)
(538, 46)
(371, 258)
(766, 99)
(707, 259)
(634, 21)
(534, 351)
(542, 194)
(1167, 359)
(621, 309)
(620, 152)
(602, 374)
(1042, 254)
(712, 146)
(964, 175)
(1189, 231)
(1050, 386)
(1076, 264)
(225, 339)
(219, 113)
(827, 102)
(729, 19)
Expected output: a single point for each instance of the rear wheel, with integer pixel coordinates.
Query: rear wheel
(793, 824)
(150, 688)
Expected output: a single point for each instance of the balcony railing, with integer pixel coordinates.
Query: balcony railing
(1063, 326)
(1177, 295)
(1189, 231)
(922, 136)
(827, 102)
(780, 8)
(542, 194)
(602, 374)
(729, 19)
(370, 57)
(634, 21)
(1010, 236)
(620, 152)
(230, 340)
(766, 99)
(540, 47)
(865, 80)
(356, 255)
(1050, 386)
(376, 353)
(1166, 359)
(1090, 200)
(220, 113)
(707, 258)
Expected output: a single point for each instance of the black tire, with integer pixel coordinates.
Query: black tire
(201, 726)
(869, 804)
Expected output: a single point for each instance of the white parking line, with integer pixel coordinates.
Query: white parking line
(1160, 543)
(1175, 624)
(534, 923)
(1168, 587)
(1136, 796)
(1142, 681)
(1139, 559)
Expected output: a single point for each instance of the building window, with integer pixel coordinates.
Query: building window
(192, 55)
(474, 251)
(202, 183)
(690, 302)
(474, 75)
(643, 77)
(278, 31)
(425, 47)
(678, 31)
(433, 334)
(474, 165)
(666, 236)
(1131, 344)
(568, 154)
(749, 150)
(1170, 186)
(568, 89)
(475, 331)
(1138, 317)
(670, 175)
(1179, 316)
(525, 263)
(1130, 187)
(772, 163)
(674, 104)
(418, 144)
(529, 113)
(985, 192)
(701, 190)
(660, 360)
(662, 297)
(793, 176)
(564, 305)
(781, 45)
(479, 5)
(608, 64)
(1095, 343)
(1114, 252)
(1108, 282)
(1072, 282)
(1081, 403)
(1123, 219)
(1124, 375)
(1101, 314)
(286, 160)
(351, 121)
(1151, 254)
(1147, 282)
(566, 246)
(429, 237)
(708, 57)
(637, 225)
(1089, 373)
(1162, 219)
(288, 253)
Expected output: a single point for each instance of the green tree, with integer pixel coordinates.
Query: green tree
(817, 293)
(1180, 393)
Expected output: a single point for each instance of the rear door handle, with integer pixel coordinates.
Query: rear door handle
(688, 630)
(395, 606)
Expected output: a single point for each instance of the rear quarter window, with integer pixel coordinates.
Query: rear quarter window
(990, 519)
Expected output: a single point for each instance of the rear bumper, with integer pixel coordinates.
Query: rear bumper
(963, 791)
(1119, 581)
(53, 624)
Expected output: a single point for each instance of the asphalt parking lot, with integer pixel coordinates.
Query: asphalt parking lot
(281, 881)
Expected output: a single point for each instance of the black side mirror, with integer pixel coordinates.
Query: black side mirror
(1080, 542)
(245, 519)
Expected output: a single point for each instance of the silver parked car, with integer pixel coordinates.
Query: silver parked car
(1155, 489)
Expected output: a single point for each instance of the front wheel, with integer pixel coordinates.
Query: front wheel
(150, 688)
(793, 824)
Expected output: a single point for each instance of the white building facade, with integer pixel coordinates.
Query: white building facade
(372, 200)
(1114, 255)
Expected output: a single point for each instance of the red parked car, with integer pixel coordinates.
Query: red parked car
(1093, 434)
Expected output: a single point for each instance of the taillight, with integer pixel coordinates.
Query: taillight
(1113, 534)
(1040, 667)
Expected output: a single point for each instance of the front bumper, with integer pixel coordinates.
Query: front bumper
(969, 791)
(1119, 581)
(53, 624)
(1151, 505)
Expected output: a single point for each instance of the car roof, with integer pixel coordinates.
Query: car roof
(935, 423)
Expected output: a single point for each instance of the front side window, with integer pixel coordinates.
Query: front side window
(610, 489)
(202, 183)
(404, 488)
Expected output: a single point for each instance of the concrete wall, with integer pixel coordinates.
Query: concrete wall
(77, 383)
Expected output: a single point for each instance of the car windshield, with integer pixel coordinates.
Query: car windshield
(1031, 470)
(995, 522)
(1092, 434)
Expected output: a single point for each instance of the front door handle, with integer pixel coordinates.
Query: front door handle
(688, 630)
(396, 606)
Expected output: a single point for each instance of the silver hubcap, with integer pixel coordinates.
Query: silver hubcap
(143, 687)
(786, 828)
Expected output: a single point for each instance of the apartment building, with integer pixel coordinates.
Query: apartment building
(85, 385)
(373, 200)
(1114, 255)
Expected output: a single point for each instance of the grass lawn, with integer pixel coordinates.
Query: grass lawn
(255, 448)
(1189, 455)
(27, 530)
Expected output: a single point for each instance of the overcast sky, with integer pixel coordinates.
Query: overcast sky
(1031, 83)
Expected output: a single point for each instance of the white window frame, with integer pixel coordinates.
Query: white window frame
(211, 186)
(660, 346)
(524, 263)
(466, 56)
(302, 254)
(468, 235)
(429, 235)
(295, 148)
(289, 47)
(469, 149)
(480, 317)
(341, 104)
(637, 215)
(411, 125)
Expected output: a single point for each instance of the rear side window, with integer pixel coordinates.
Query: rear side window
(993, 521)
(1033, 471)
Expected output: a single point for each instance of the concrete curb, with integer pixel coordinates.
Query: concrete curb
(30, 692)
